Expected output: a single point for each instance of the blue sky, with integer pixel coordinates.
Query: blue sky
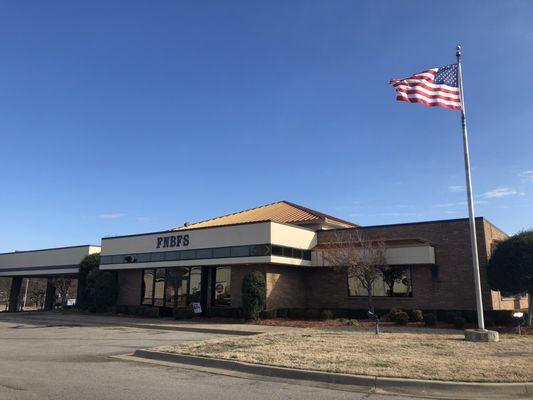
(126, 117)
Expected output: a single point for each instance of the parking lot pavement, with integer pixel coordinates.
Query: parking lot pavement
(65, 360)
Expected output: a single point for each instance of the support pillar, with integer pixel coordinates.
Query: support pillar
(16, 283)
(50, 295)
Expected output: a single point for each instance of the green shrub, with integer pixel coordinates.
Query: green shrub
(296, 313)
(150, 312)
(253, 294)
(268, 314)
(224, 312)
(327, 315)
(502, 317)
(459, 323)
(282, 313)
(402, 318)
(133, 310)
(450, 316)
(103, 289)
(312, 313)
(430, 319)
(489, 322)
(393, 314)
(416, 316)
(183, 313)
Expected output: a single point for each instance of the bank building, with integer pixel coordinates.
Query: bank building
(204, 263)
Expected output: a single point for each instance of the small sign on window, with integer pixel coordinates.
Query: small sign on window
(197, 308)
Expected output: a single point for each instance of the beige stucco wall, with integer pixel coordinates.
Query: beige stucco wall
(27, 262)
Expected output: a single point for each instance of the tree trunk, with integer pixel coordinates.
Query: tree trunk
(369, 292)
(530, 308)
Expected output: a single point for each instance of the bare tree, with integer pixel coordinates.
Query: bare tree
(37, 296)
(360, 259)
(62, 286)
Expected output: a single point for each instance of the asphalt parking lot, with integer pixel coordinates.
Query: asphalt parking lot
(59, 359)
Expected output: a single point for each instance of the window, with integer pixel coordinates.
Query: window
(148, 287)
(195, 285)
(395, 281)
(159, 288)
(221, 252)
(254, 250)
(204, 253)
(176, 290)
(157, 257)
(277, 251)
(260, 250)
(188, 254)
(221, 287)
(240, 251)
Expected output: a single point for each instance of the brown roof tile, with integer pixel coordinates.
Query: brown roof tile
(281, 211)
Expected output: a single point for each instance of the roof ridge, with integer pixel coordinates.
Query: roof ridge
(230, 214)
(318, 213)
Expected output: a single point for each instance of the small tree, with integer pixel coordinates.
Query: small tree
(253, 294)
(360, 259)
(103, 288)
(510, 268)
(37, 296)
(88, 264)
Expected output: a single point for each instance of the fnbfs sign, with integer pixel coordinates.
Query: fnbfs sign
(172, 241)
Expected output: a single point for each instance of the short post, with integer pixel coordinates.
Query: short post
(375, 317)
(519, 317)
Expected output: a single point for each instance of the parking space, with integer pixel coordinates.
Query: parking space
(61, 359)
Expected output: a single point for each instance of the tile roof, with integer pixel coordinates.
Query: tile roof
(281, 211)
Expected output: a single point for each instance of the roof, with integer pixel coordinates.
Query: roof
(281, 211)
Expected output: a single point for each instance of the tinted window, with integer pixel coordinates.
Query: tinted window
(240, 251)
(205, 253)
(221, 252)
(148, 286)
(221, 286)
(260, 250)
(188, 254)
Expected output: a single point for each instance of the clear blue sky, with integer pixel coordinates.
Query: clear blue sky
(126, 117)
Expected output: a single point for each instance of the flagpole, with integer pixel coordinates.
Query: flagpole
(473, 239)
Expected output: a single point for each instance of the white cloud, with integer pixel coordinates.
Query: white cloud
(501, 192)
(111, 215)
(456, 188)
(526, 175)
(459, 203)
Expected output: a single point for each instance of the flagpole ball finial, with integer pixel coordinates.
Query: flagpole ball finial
(458, 51)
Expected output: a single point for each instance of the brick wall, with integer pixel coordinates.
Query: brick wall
(129, 287)
(452, 287)
(285, 286)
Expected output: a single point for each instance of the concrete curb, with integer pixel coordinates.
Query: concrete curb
(417, 387)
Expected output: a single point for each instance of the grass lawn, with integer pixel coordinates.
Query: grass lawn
(423, 354)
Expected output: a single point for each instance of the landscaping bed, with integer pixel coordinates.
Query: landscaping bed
(422, 354)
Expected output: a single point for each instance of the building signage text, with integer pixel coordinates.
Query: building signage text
(172, 241)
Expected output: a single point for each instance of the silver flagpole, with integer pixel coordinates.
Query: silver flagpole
(473, 239)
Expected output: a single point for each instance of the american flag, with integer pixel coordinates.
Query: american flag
(434, 87)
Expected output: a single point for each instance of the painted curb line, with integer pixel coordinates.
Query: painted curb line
(416, 387)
